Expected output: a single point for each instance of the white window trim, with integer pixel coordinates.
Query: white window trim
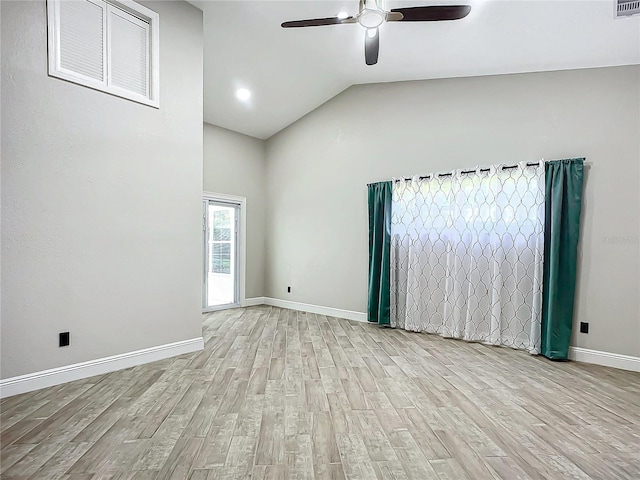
(241, 269)
(129, 6)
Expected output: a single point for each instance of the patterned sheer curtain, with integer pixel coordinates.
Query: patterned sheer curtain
(467, 255)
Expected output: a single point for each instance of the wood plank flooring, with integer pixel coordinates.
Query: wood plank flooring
(280, 394)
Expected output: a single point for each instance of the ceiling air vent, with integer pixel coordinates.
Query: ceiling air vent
(625, 8)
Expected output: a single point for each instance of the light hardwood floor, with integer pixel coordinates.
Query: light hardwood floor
(279, 394)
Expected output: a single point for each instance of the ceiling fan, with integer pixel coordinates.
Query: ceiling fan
(371, 16)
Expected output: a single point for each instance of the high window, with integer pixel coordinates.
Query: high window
(110, 46)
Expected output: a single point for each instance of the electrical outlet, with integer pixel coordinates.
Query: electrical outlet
(288, 289)
(584, 327)
(63, 339)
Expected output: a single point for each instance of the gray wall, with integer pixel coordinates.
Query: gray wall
(318, 168)
(234, 164)
(101, 201)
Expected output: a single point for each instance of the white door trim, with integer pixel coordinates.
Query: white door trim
(242, 247)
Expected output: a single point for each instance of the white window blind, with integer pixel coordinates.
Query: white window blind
(128, 47)
(106, 45)
(82, 38)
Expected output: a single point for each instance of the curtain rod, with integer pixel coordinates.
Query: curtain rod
(508, 167)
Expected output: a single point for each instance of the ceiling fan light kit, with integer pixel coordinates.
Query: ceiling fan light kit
(370, 16)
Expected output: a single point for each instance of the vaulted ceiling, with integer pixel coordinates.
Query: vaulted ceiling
(290, 72)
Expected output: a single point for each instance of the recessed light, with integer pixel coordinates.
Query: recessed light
(243, 94)
(342, 15)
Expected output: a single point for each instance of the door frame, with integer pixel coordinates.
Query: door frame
(241, 243)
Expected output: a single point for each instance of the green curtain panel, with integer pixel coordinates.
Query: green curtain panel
(563, 201)
(378, 306)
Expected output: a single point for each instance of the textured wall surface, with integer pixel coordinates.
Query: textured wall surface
(234, 164)
(101, 201)
(318, 168)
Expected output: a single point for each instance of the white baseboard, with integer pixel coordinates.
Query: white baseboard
(56, 376)
(318, 309)
(607, 359)
(615, 360)
(251, 302)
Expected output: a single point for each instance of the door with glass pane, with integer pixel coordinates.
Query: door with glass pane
(221, 221)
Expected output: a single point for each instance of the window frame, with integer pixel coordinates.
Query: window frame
(108, 6)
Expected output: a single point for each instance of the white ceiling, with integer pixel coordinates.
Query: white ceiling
(292, 71)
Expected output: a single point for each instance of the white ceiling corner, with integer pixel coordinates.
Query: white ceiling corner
(290, 72)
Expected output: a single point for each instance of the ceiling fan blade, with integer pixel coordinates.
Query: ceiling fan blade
(434, 13)
(317, 22)
(394, 16)
(371, 46)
